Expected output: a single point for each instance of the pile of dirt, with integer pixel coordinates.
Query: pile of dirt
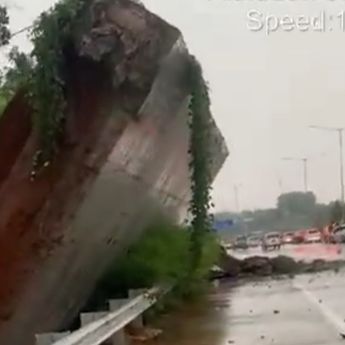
(280, 265)
(257, 265)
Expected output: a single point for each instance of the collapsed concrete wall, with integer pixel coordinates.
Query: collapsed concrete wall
(124, 160)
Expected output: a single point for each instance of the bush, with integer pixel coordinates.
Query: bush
(161, 256)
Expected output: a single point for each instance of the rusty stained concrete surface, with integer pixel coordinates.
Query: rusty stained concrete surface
(106, 188)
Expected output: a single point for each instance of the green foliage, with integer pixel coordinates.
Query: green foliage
(199, 123)
(18, 74)
(294, 211)
(321, 215)
(51, 34)
(15, 76)
(209, 255)
(160, 256)
(336, 212)
(296, 202)
(3, 103)
(5, 34)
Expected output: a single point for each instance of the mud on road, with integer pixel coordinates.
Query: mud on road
(302, 309)
(305, 310)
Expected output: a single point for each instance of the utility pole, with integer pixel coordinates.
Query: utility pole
(304, 161)
(339, 131)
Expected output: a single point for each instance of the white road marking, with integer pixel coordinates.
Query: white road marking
(333, 319)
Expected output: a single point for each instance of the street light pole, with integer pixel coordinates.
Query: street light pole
(341, 158)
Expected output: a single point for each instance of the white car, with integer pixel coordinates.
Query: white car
(272, 240)
(254, 241)
(338, 235)
(228, 246)
(312, 236)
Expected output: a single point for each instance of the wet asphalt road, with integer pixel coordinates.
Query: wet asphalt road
(305, 310)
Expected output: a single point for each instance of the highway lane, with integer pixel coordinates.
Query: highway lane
(307, 310)
(304, 310)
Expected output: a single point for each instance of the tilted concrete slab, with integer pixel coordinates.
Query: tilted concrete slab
(126, 162)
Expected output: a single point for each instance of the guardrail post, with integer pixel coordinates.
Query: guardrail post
(50, 338)
(119, 338)
(115, 304)
(139, 321)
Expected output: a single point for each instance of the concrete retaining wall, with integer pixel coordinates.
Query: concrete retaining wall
(135, 167)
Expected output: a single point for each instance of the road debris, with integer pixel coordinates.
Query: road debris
(263, 266)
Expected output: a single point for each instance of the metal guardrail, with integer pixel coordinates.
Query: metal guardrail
(104, 328)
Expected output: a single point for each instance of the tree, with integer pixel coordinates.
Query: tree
(321, 216)
(15, 76)
(294, 211)
(5, 33)
(336, 212)
(18, 74)
(11, 78)
(297, 203)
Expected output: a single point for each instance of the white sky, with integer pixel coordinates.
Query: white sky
(266, 91)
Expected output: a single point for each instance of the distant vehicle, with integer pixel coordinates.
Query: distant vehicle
(299, 236)
(254, 241)
(288, 237)
(228, 245)
(241, 242)
(272, 240)
(338, 235)
(312, 236)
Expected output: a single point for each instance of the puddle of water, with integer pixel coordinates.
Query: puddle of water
(202, 323)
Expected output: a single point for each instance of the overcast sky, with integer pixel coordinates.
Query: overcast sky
(266, 90)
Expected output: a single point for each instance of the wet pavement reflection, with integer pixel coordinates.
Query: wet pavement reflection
(205, 322)
(304, 310)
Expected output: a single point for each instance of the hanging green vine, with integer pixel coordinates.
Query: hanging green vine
(51, 34)
(199, 123)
